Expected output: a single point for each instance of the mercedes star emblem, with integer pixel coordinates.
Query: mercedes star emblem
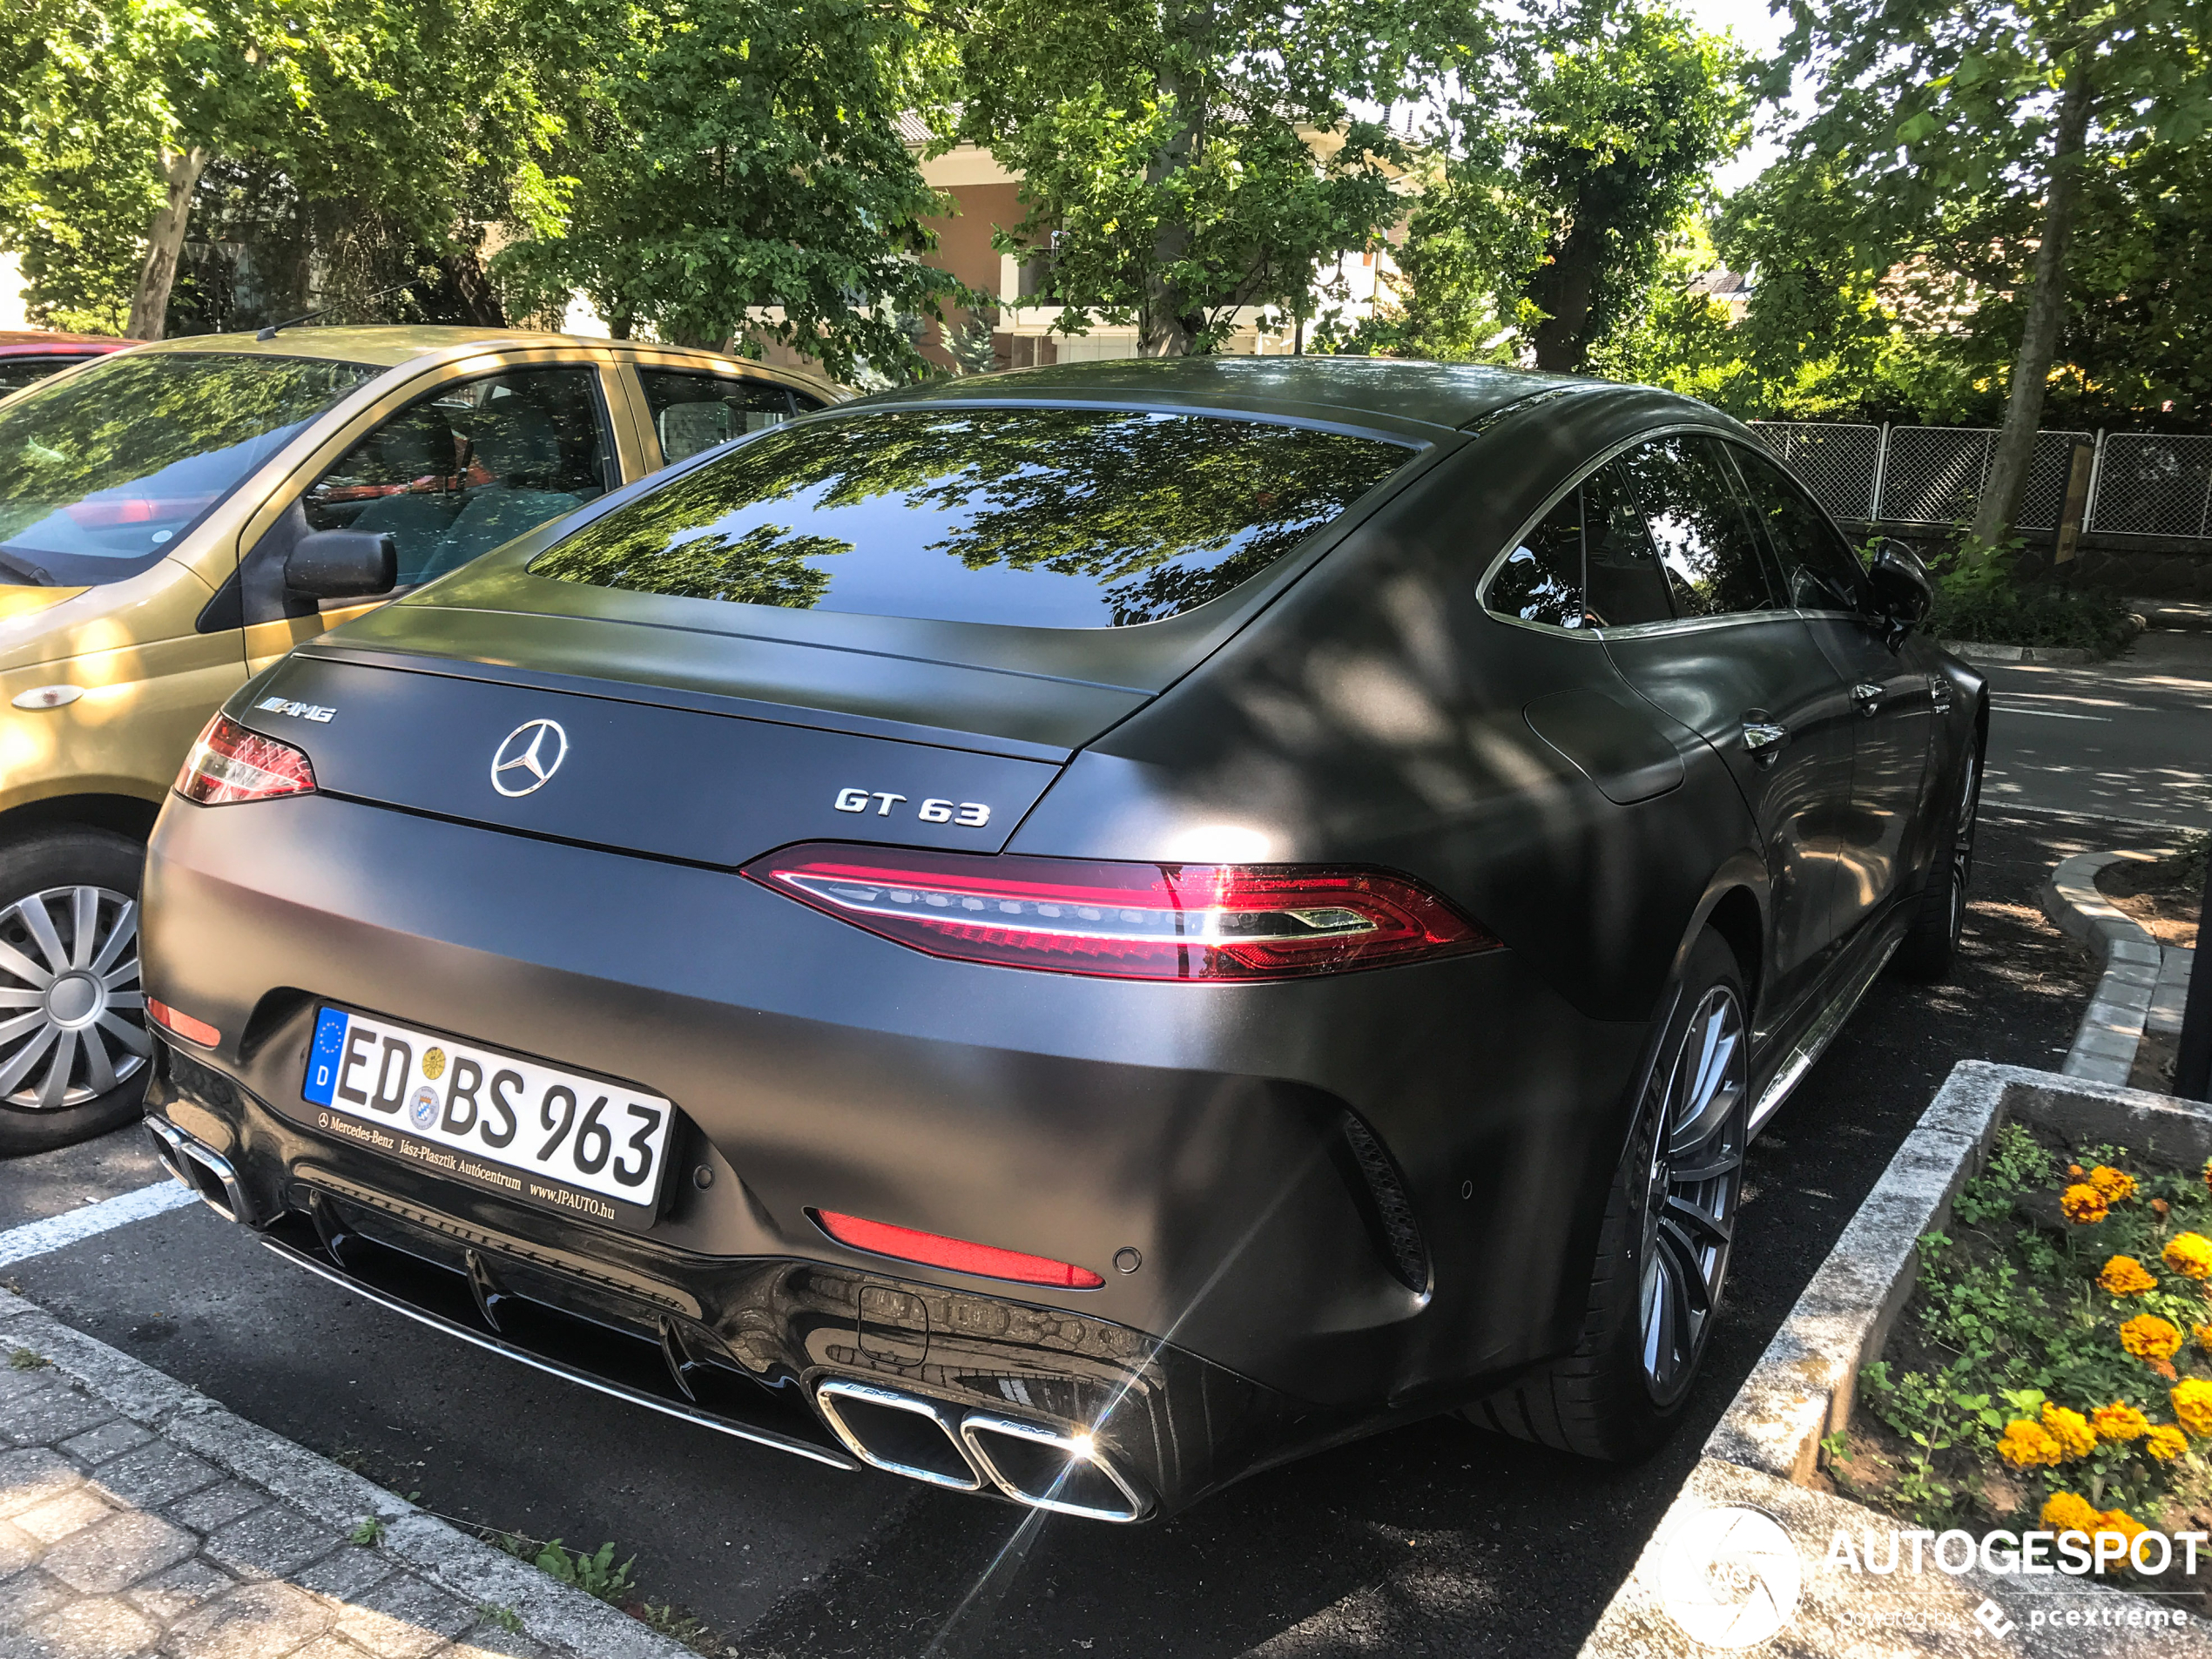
(532, 753)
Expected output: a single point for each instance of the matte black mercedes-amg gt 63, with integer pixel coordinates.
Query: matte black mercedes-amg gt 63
(1075, 934)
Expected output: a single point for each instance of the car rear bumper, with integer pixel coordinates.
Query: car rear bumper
(1259, 1153)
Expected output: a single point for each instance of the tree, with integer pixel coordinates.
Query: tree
(735, 168)
(1958, 135)
(1553, 198)
(1181, 159)
(1628, 110)
(403, 109)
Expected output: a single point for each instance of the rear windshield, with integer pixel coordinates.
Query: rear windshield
(101, 472)
(1039, 518)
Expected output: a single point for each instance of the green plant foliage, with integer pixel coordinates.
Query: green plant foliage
(1181, 160)
(2008, 1317)
(734, 171)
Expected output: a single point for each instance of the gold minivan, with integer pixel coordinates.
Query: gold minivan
(175, 516)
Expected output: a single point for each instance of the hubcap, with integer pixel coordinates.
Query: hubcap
(72, 1018)
(1689, 1202)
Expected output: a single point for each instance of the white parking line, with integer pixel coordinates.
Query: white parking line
(2053, 714)
(57, 1232)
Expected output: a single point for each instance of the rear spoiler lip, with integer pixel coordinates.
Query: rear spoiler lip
(808, 716)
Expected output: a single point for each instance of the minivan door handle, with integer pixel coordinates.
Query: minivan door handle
(1868, 696)
(1763, 737)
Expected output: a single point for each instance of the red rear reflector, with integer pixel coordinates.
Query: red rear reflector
(880, 1238)
(183, 1024)
(1171, 921)
(229, 764)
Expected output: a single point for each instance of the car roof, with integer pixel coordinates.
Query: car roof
(32, 342)
(1387, 390)
(390, 345)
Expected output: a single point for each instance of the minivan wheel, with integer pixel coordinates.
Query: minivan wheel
(1931, 945)
(1663, 1249)
(74, 1049)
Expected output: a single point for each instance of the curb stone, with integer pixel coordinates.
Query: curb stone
(1764, 1454)
(555, 1619)
(1973, 651)
(2145, 984)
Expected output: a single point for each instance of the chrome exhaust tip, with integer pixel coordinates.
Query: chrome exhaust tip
(1040, 1467)
(898, 1433)
(207, 1172)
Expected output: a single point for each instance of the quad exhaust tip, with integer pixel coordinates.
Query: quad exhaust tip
(1031, 1463)
(202, 1170)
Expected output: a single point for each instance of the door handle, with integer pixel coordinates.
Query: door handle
(1763, 737)
(1868, 696)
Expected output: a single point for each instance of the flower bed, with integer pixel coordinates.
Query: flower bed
(2053, 1367)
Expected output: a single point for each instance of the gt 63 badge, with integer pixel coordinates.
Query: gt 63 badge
(969, 814)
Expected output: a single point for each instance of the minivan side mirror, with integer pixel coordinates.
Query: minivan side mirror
(1902, 591)
(342, 564)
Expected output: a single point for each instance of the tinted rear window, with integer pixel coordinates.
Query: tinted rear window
(1041, 518)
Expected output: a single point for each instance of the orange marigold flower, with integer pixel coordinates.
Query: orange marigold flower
(2165, 1442)
(2114, 1184)
(2069, 1512)
(2126, 1524)
(2119, 1422)
(2148, 1337)
(2192, 1398)
(2203, 1335)
(2071, 1430)
(2159, 1206)
(2189, 1255)
(2207, 1172)
(2074, 1170)
(2083, 1205)
(2124, 1275)
(2027, 1444)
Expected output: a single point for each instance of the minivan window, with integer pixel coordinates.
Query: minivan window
(1032, 517)
(100, 473)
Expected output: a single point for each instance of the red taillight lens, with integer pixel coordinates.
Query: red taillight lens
(183, 1024)
(881, 1238)
(1178, 921)
(229, 764)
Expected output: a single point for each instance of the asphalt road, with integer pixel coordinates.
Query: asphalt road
(2130, 739)
(1435, 1539)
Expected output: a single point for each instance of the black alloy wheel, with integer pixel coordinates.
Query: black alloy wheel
(1690, 1194)
(1669, 1224)
(74, 1047)
(1931, 944)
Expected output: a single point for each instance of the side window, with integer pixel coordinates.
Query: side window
(1818, 568)
(470, 466)
(693, 412)
(1704, 536)
(1626, 585)
(1542, 579)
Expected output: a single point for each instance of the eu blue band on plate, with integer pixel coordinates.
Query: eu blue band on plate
(322, 1058)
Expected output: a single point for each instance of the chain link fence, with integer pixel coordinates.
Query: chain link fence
(2151, 484)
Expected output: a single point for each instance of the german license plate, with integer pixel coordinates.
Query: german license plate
(562, 1140)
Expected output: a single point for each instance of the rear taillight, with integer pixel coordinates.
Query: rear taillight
(229, 764)
(1177, 921)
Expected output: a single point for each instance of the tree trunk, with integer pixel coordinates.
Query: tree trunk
(2000, 497)
(181, 171)
(1564, 287)
(1165, 321)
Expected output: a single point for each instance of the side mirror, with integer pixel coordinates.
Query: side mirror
(342, 564)
(1902, 589)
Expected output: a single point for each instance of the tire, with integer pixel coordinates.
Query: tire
(74, 1049)
(1931, 946)
(1663, 1249)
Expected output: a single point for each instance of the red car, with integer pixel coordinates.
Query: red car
(30, 354)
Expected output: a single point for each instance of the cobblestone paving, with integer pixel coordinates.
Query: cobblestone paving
(120, 1536)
